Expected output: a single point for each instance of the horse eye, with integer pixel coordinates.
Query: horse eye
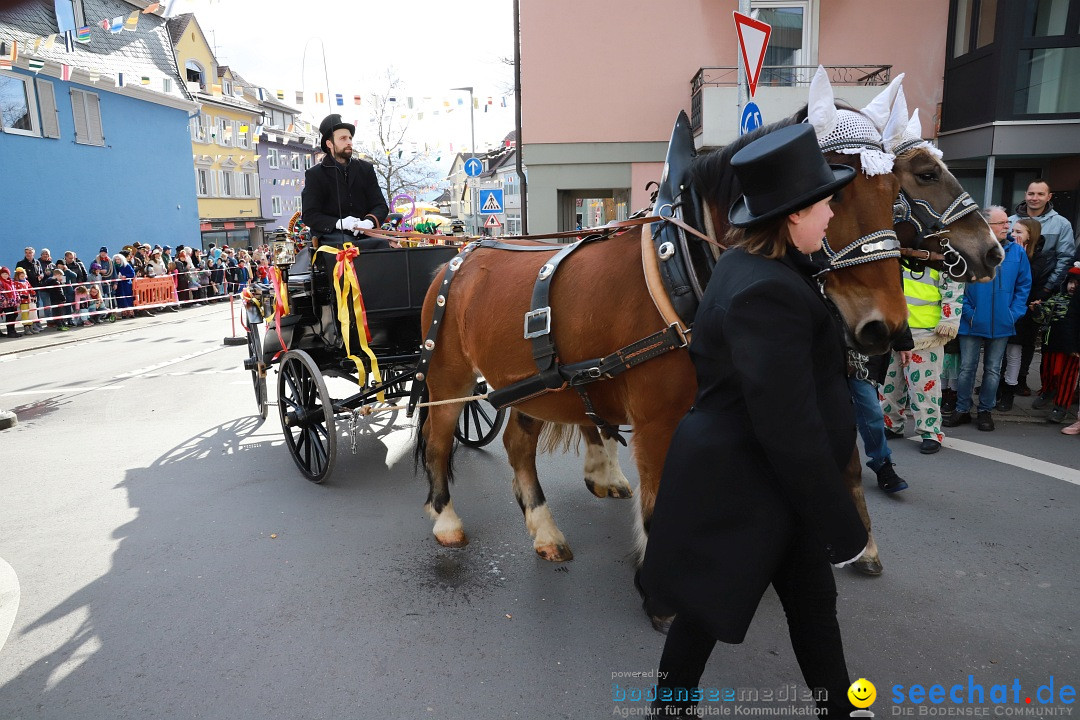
(927, 177)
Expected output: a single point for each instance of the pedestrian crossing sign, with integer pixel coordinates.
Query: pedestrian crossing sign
(491, 201)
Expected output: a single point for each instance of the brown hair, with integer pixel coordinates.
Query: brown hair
(1034, 231)
(769, 239)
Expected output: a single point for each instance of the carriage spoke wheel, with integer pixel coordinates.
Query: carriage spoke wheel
(307, 415)
(258, 368)
(479, 422)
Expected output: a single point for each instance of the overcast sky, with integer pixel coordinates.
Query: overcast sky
(431, 45)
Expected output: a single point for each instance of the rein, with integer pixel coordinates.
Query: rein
(929, 224)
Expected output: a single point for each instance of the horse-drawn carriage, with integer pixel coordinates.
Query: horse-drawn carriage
(339, 312)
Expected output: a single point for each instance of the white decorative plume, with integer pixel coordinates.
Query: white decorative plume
(821, 106)
(904, 133)
(880, 108)
(895, 127)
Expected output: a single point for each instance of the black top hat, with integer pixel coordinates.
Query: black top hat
(331, 123)
(781, 172)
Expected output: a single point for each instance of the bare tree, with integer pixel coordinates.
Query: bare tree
(400, 167)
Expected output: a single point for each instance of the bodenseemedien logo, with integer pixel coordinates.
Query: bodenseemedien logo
(862, 695)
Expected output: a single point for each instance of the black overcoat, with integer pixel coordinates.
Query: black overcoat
(757, 462)
(332, 192)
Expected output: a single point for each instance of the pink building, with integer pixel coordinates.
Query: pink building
(602, 82)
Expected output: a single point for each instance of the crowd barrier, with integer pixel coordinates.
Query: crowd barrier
(155, 291)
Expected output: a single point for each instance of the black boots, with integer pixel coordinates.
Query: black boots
(1008, 392)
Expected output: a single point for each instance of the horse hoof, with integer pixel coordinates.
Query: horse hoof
(661, 624)
(868, 566)
(555, 553)
(452, 539)
(606, 491)
(621, 493)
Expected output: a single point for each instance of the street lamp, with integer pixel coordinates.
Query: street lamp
(472, 150)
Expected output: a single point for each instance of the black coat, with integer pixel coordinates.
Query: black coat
(332, 192)
(757, 462)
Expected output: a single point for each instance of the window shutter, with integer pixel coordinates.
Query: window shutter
(93, 119)
(50, 120)
(78, 112)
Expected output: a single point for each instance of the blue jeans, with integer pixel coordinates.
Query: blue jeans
(871, 422)
(993, 351)
(44, 306)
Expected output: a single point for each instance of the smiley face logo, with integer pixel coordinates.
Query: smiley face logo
(862, 693)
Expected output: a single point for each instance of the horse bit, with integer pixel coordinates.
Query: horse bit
(929, 224)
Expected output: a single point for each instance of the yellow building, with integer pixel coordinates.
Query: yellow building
(223, 142)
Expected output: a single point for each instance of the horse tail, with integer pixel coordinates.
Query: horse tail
(559, 437)
(420, 451)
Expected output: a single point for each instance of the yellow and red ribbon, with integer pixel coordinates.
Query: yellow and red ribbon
(347, 289)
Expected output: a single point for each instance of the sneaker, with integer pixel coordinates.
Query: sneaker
(88, 324)
(929, 446)
(893, 434)
(888, 480)
(1023, 390)
(957, 418)
(1040, 402)
(61, 328)
(1056, 415)
(985, 422)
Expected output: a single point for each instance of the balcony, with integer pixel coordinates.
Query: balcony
(781, 91)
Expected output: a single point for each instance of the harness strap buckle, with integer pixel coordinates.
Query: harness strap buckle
(537, 322)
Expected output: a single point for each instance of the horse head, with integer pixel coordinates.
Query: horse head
(933, 212)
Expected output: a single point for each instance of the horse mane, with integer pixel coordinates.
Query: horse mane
(711, 174)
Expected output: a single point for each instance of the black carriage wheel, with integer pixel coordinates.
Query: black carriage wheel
(479, 422)
(307, 415)
(258, 368)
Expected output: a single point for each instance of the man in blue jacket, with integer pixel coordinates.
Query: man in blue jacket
(1057, 244)
(987, 321)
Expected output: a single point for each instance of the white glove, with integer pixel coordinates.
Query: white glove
(347, 223)
(362, 225)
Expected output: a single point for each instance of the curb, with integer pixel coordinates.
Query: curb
(8, 419)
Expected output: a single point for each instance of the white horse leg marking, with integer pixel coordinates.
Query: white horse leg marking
(448, 529)
(603, 476)
(548, 540)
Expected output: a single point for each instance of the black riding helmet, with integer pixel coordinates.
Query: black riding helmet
(331, 123)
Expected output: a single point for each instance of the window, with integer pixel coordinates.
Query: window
(272, 158)
(86, 110)
(1049, 18)
(198, 130)
(974, 25)
(50, 117)
(18, 106)
(308, 162)
(792, 42)
(298, 204)
(227, 87)
(204, 186)
(1048, 81)
(224, 131)
(275, 206)
(296, 161)
(249, 184)
(193, 73)
(227, 184)
(242, 135)
(510, 185)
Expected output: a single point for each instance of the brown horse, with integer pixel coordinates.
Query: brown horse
(600, 302)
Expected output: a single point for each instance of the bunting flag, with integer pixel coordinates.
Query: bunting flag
(476, 103)
(280, 94)
(243, 128)
(94, 75)
(504, 101)
(391, 99)
(14, 51)
(5, 62)
(37, 44)
(261, 93)
(116, 24)
(166, 85)
(356, 99)
(320, 98)
(49, 42)
(36, 65)
(215, 89)
(338, 99)
(65, 72)
(145, 79)
(119, 79)
(132, 22)
(83, 34)
(299, 97)
(151, 8)
(69, 41)
(104, 24)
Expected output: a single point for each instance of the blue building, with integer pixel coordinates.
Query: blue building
(94, 140)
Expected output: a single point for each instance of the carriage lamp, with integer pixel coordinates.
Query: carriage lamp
(283, 253)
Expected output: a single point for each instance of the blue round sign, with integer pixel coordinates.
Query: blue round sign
(751, 118)
(473, 167)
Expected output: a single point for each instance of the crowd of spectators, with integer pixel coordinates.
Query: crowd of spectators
(64, 293)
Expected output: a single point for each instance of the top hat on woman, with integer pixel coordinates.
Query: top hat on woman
(781, 172)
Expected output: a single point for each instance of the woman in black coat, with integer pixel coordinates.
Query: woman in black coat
(752, 491)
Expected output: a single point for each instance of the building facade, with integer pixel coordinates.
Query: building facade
(1011, 106)
(287, 147)
(94, 140)
(222, 141)
(604, 141)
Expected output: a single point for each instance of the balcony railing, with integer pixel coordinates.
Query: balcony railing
(782, 76)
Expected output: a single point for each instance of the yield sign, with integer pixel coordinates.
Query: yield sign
(753, 39)
(492, 222)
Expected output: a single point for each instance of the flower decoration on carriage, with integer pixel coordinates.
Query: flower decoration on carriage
(847, 132)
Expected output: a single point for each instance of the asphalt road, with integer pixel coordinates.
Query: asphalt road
(168, 561)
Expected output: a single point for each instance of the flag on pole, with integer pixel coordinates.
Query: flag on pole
(65, 72)
(151, 8)
(36, 65)
(132, 22)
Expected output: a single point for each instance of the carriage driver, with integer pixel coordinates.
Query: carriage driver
(341, 196)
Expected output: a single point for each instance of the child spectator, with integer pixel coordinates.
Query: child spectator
(1060, 366)
(9, 301)
(95, 305)
(81, 309)
(70, 277)
(26, 296)
(53, 286)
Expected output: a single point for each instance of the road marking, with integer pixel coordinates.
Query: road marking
(9, 599)
(158, 366)
(1023, 462)
(64, 389)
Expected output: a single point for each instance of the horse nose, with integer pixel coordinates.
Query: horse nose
(874, 335)
(994, 256)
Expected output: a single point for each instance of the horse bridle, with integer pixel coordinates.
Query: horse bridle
(930, 224)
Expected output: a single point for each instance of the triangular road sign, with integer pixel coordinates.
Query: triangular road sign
(753, 39)
(493, 222)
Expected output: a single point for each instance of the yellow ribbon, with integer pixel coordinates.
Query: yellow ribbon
(347, 289)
